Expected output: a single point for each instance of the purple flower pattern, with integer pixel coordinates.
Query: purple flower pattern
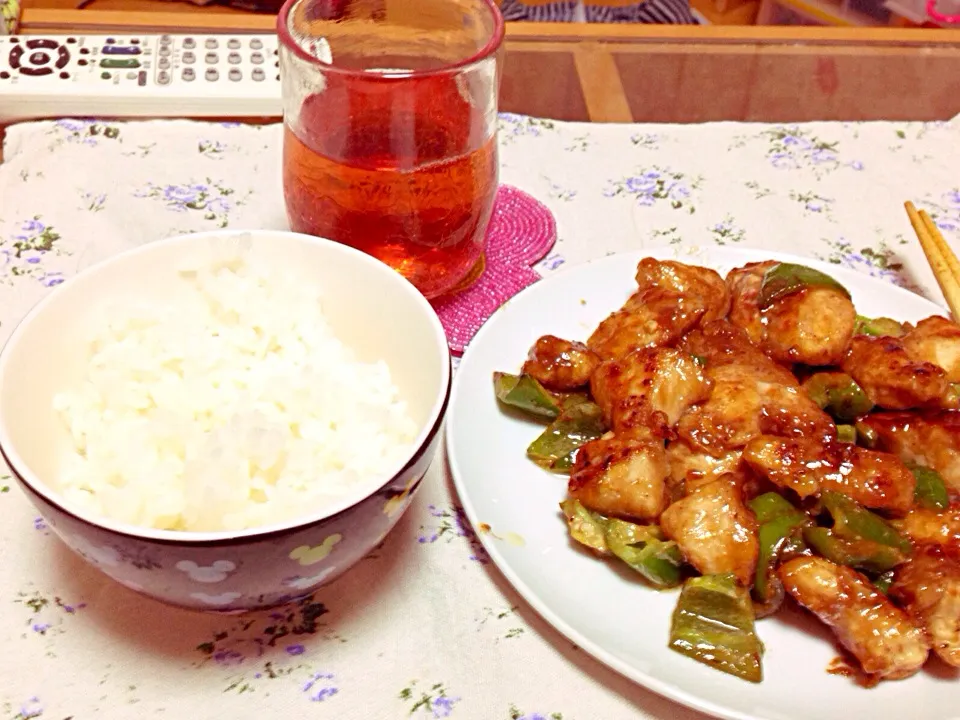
(656, 185)
(449, 524)
(211, 200)
(27, 252)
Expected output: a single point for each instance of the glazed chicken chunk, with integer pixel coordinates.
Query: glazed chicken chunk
(812, 325)
(929, 527)
(879, 635)
(715, 530)
(560, 364)
(698, 285)
(928, 439)
(671, 299)
(621, 477)
(876, 480)
(648, 388)
(690, 468)
(751, 395)
(895, 380)
(928, 587)
(936, 340)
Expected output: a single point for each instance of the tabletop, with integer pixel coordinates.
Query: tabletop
(425, 627)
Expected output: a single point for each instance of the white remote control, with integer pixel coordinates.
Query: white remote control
(139, 76)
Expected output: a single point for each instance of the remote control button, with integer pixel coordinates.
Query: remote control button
(84, 51)
(164, 52)
(164, 64)
(36, 71)
(14, 40)
(188, 74)
(39, 58)
(134, 41)
(211, 44)
(81, 62)
(4, 75)
(71, 40)
(234, 58)
(131, 75)
(119, 63)
(110, 41)
(166, 39)
(63, 57)
(14, 57)
(211, 58)
(233, 44)
(278, 77)
(142, 78)
(189, 43)
(235, 75)
(258, 74)
(211, 74)
(121, 50)
(106, 75)
(189, 58)
(256, 43)
(257, 58)
(64, 75)
(42, 44)
(163, 77)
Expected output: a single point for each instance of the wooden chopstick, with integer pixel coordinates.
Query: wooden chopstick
(943, 261)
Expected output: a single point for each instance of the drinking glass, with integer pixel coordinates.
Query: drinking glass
(390, 116)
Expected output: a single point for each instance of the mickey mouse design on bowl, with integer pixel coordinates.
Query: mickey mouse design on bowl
(229, 571)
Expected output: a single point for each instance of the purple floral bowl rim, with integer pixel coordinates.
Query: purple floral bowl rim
(221, 538)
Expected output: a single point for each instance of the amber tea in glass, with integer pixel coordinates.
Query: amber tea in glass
(390, 129)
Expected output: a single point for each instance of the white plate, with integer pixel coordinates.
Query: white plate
(618, 620)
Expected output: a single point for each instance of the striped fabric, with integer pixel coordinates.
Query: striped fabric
(658, 12)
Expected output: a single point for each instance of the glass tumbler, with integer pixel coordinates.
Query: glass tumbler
(390, 117)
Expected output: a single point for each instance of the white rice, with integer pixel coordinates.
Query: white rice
(231, 407)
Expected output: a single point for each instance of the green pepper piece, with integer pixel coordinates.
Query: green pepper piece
(556, 447)
(525, 393)
(644, 548)
(779, 521)
(713, 623)
(586, 527)
(847, 434)
(838, 394)
(785, 279)
(878, 327)
(770, 506)
(883, 581)
(852, 521)
(931, 491)
(861, 554)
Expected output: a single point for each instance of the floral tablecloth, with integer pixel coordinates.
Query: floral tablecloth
(425, 627)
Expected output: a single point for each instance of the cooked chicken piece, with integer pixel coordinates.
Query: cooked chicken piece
(560, 364)
(928, 587)
(812, 326)
(652, 317)
(691, 468)
(752, 395)
(874, 479)
(715, 530)
(693, 282)
(893, 379)
(882, 637)
(928, 439)
(744, 283)
(936, 340)
(650, 387)
(621, 477)
(929, 527)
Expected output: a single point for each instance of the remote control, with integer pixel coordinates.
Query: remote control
(139, 76)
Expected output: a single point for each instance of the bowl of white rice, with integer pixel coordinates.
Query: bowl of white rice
(225, 421)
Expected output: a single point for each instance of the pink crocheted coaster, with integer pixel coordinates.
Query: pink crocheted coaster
(521, 232)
